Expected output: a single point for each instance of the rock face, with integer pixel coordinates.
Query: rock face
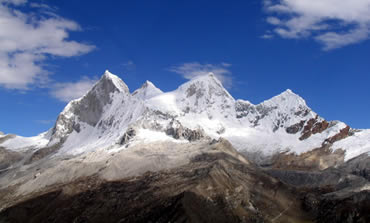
(177, 131)
(341, 135)
(359, 166)
(334, 194)
(295, 128)
(316, 159)
(130, 134)
(354, 208)
(313, 126)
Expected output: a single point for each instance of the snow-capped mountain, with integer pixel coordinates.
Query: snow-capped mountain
(111, 151)
(110, 117)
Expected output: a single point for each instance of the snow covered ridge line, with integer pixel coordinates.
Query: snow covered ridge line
(109, 117)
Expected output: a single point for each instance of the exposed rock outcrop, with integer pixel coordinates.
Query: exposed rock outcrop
(295, 128)
(354, 208)
(178, 131)
(335, 194)
(359, 166)
(314, 126)
(316, 159)
(129, 134)
(341, 135)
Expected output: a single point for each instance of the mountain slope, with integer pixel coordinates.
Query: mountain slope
(216, 185)
(203, 181)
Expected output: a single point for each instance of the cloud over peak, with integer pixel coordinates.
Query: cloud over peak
(196, 69)
(333, 23)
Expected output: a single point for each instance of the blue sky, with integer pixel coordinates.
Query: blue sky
(52, 51)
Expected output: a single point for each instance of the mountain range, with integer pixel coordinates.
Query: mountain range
(194, 154)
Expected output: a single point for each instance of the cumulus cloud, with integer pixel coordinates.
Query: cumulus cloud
(28, 39)
(72, 90)
(333, 23)
(195, 69)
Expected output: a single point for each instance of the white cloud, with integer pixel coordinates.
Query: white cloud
(41, 6)
(45, 122)
(69, 91)
(129, 65)
(14, 2)
(333, 23)
(195, 69)
(27, 39)
(273, 20)
(267, 36)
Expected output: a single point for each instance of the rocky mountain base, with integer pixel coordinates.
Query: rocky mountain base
(217, 185)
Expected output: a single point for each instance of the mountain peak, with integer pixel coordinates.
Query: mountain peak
(107, 74)
(288, 91)
(117, 82)
(289, 103)
(210, 77)
(147, 84)
(110, 76)
(147, 90)
(208, 84)
(204, 94)
(287, 96)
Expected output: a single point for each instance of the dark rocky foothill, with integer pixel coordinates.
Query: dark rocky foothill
(214, 187)
(220, 186)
